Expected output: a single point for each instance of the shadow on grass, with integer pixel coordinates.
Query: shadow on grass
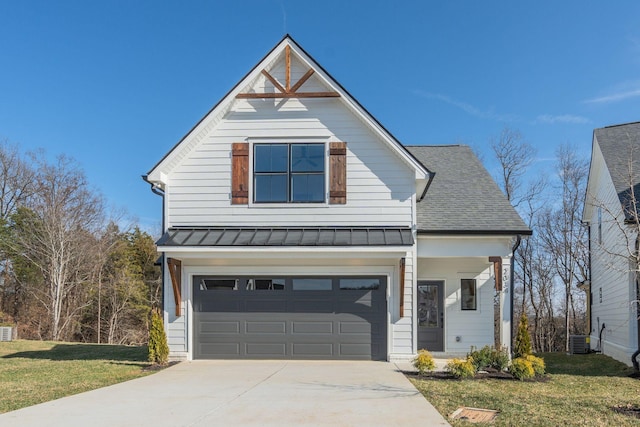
(85, 352)
(587, 365)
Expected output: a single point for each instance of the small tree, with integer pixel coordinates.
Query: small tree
(523, 340)
(158, 347)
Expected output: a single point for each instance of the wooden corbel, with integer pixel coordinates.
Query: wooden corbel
(175, 272)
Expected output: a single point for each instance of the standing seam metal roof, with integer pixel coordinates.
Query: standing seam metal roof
(289, 236)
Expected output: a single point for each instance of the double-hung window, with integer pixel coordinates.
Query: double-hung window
(289, 173)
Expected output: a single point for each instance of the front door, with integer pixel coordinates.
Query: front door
(431, 315)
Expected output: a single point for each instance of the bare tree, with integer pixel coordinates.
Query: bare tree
(514, 155)
(56, 234)
(562, 231)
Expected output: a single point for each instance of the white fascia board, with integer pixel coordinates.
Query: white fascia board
(288, 252)
(464, 246)
(587, 210)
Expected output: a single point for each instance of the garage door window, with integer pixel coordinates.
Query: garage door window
(360, 284)
(312, 284)
(219, 285)
(266, 284)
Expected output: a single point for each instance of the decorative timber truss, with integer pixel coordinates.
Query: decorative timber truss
(288, 91)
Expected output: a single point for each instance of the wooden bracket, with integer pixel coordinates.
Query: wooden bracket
(288, 91)
(175, 272)
(497, 271)
(402, 270)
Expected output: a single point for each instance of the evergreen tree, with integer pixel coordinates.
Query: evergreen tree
(158, 347)
(523, 340)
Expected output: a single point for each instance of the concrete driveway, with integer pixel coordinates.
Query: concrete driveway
(245, 393)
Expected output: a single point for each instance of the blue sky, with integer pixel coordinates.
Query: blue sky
(115, 84)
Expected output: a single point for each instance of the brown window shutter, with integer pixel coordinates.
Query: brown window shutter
(338, 173)
(240, 173)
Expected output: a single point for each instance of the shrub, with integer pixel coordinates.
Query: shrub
(523, 340)
(537, 363)
(500, 358)
(490, 357)
(521, 368)
(424, 362)
(481, 358)
(158, 347)
(461, 368)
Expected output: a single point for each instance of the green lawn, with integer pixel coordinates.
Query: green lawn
(33, 372)
(579, 391)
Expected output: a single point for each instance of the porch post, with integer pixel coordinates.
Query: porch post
(505, 305)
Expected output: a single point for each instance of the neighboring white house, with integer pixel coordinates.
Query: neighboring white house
(296, 226)
(614, 176)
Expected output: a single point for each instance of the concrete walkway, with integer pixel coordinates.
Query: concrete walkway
(245, 393)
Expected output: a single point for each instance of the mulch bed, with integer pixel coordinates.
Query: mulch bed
(488, 374)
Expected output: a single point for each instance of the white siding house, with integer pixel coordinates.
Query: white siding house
(297, 226)
(614, 170)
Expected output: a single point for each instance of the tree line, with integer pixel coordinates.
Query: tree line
(69, 271)
(550, 264)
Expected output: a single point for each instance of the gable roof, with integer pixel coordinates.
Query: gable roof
(156, 175)
(463, 198)
(620, 147)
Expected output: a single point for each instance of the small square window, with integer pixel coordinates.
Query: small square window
(468, 288)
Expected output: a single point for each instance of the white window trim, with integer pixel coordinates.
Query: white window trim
(290, 140)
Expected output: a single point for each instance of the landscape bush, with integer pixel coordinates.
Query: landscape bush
(521, 369)
(461, 368)
(537, 363)
(424, 362)
(489, 357)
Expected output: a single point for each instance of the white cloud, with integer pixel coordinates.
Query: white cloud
(468, 108)
(562, 118)
(614, 97)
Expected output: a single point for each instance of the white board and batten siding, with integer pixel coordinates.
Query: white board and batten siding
(612, 286)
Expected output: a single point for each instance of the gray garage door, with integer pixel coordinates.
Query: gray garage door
(290, 317)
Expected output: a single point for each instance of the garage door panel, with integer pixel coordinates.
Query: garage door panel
(269, 349)
(220, 349)
(313, 306)
(266, 306)
(219, 327)
(322, 350)
(266, 327)
(320, 327)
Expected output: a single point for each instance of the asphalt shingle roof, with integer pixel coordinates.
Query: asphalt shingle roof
(620, 145)
(463, 198)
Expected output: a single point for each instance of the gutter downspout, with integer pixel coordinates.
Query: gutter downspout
(515, 247)
(157, 190)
